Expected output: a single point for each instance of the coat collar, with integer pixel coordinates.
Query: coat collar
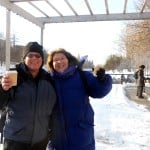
(67, 73)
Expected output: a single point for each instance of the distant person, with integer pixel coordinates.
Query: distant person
(29, 104)
(73, 118)
(140, 81)
(122, 78)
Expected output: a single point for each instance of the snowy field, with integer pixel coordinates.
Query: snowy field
(120, 124)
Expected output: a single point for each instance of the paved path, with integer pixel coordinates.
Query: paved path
(131, 94)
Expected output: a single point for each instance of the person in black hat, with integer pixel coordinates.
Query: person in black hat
(140, 81)
(30, 103)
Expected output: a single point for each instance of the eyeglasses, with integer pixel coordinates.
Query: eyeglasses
(59, 59)
(33, 55)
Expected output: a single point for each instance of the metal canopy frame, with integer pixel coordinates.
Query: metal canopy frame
(50, 11)
(19, 7)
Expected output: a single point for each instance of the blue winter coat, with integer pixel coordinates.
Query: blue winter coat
(29, 108)
(73, 119)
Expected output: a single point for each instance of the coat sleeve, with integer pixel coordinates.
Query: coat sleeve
(98, 88)
(4, 96)
(105, 85)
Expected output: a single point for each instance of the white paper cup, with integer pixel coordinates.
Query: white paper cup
(13, 75)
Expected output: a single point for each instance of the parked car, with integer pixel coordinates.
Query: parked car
(130, 78)
(116, 80)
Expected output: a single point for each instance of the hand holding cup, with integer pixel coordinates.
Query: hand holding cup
(9, 80)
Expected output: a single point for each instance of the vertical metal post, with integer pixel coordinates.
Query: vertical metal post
(7, 58)
(42, 33)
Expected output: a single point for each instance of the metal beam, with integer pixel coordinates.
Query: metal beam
(23, 0)
(14, 8)
(144, 5)
(38, 9)
(53, 7)
(102, 17)
(125, 6)
(71, 7)
(76, 17)
(106, 6)
(88, 6)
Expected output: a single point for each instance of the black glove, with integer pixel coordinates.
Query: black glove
(100, 73)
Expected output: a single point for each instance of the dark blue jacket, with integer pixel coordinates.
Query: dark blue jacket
(29, 108)
(73, 119)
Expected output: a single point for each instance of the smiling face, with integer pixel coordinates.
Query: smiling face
(60, 62)
(33, 61)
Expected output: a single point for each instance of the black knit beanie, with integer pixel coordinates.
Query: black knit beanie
(33, 47)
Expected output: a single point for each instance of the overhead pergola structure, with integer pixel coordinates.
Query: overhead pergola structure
(41, 12)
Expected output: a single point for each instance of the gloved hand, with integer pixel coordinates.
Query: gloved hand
(99, 72)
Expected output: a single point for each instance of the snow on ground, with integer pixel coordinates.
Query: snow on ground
(2, 70)
(120, 124)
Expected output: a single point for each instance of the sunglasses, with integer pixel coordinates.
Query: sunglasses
(33, 55)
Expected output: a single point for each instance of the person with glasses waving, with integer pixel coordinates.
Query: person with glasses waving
(72, 121)
(29, 103)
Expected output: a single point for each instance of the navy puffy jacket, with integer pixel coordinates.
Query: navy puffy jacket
(73, 119)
